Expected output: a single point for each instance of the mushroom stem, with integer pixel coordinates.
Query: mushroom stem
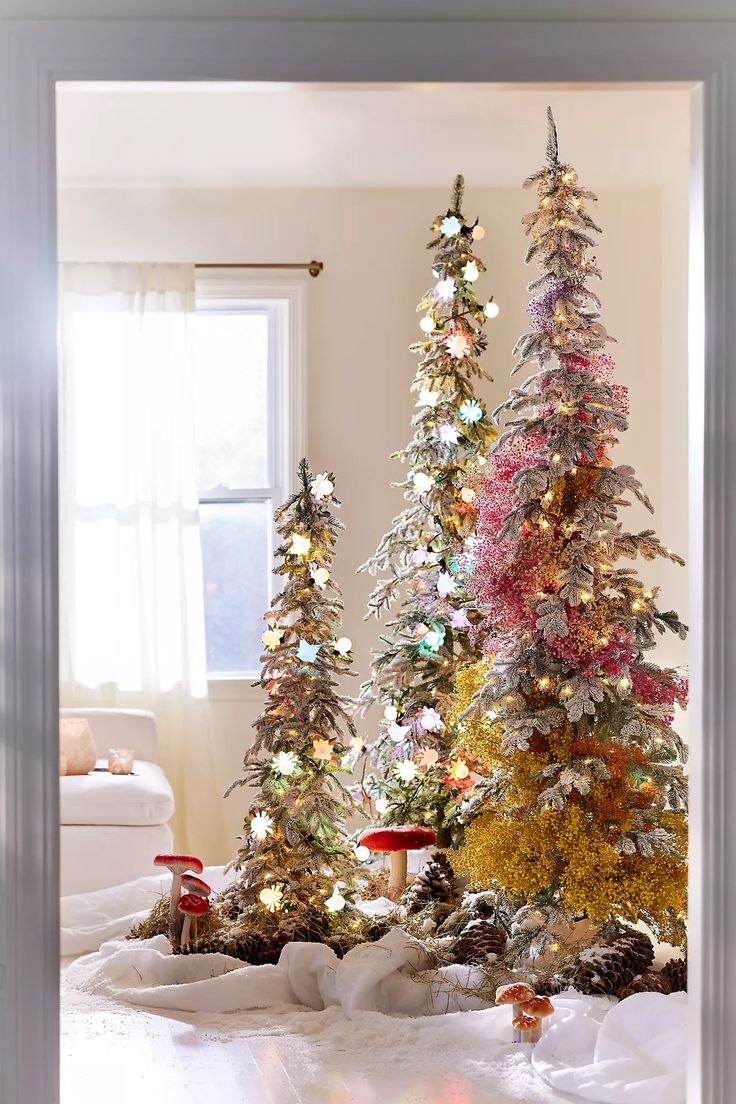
(531, 1036)
(174, 914)
(397, 877)
(185, 930)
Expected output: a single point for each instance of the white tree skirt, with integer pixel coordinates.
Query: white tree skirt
(593, 1048)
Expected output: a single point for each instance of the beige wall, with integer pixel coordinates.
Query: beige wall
(362, 319)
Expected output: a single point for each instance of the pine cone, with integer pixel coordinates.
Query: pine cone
(648, 982)
(477, 940)
(435, 882)
(609, 969)
(676, 973)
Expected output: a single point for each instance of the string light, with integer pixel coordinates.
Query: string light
(272, 897)
(300, 544)
(491, 309)
(336, 902)
(427, 324)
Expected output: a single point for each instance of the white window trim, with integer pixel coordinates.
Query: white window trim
(230, 288)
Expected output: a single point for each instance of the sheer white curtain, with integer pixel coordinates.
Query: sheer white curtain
(132, 615)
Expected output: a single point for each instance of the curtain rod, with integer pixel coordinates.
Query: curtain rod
(313, 267)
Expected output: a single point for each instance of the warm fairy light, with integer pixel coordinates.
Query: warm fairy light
(261, 826)
(624, 683)
(300, 545)
(543, 523)
(566, 692)
(637, 605)
(556, 457)
(548, 497)
(569, 176)
(648, 593)
(544, 682)
(481, 461)
(603, 640)
(586, 596)
(272, 897)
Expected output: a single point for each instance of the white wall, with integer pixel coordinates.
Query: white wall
(362, 319)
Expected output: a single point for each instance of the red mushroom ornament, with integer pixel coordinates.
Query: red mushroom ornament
(178, 865)
(397, 841)
(191, 906)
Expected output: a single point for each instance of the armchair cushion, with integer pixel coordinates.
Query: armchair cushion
(142, 798)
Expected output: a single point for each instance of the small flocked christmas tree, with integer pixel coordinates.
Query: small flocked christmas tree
(571, 720)
(296, 865)
(415, 779)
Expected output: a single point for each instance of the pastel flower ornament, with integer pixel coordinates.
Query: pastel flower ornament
(448, 434)
(285, 763)
(429, 758)
(272, 638)
(450, 226)
(446, 585)
(406, 770)
(445, 289)
(471, 272)
(261, 826)
(322, 486)
(419, 556)
(272, 897)
(321, 749)
(428, 398)
(458, 345)
(422, 482)
(459, 619)
(430, 720)
(470, 412)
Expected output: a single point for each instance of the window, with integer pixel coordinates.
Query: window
(247, 349)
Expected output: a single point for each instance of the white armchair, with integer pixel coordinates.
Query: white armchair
(113, 825)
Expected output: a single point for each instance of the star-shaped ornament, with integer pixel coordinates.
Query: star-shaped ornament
(448, 433)
(307, 652)
(445, 584)
(445, 289)
(459, 619)
(398, 732)
(321, 749)
(428, 758)
(450, 226)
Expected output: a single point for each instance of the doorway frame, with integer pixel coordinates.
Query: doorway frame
(35, 55)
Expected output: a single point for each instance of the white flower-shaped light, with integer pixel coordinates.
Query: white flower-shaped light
(450, 226)
(445, 289)
(458, 345)
(419, 556)
(422, 482)
(300, 545)
(285, 763)
(322, 486)
(448, 433)
(336, 902)
(343, 645)
(471, 272)
(445, 584)
(271, 639)
(272, 897)
(429, 398)
(406, 770)
(430, 720)
(320, 577)
(261, 826)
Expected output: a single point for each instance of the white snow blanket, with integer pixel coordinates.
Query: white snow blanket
(594, 1049)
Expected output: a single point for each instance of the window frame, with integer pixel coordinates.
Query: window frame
(230, 290)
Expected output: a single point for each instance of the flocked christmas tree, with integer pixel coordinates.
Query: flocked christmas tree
(414, 777)
(571, 720)
(296, 864)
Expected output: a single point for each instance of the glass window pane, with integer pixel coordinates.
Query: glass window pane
(236, 554)
(231, 371)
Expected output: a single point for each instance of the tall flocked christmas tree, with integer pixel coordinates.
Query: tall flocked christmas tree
(570, 719)
(415, 778)
(296, 865)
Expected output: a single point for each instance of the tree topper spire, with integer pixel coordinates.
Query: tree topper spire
(551, 138)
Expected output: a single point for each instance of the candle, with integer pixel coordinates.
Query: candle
(120, 760)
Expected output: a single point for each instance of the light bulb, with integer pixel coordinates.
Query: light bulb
(390, 712)
(491, 309)
(362, 853)
(478, 232)
(300, 545)
(426, 324)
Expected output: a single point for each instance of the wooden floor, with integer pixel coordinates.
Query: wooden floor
(120, 1055)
